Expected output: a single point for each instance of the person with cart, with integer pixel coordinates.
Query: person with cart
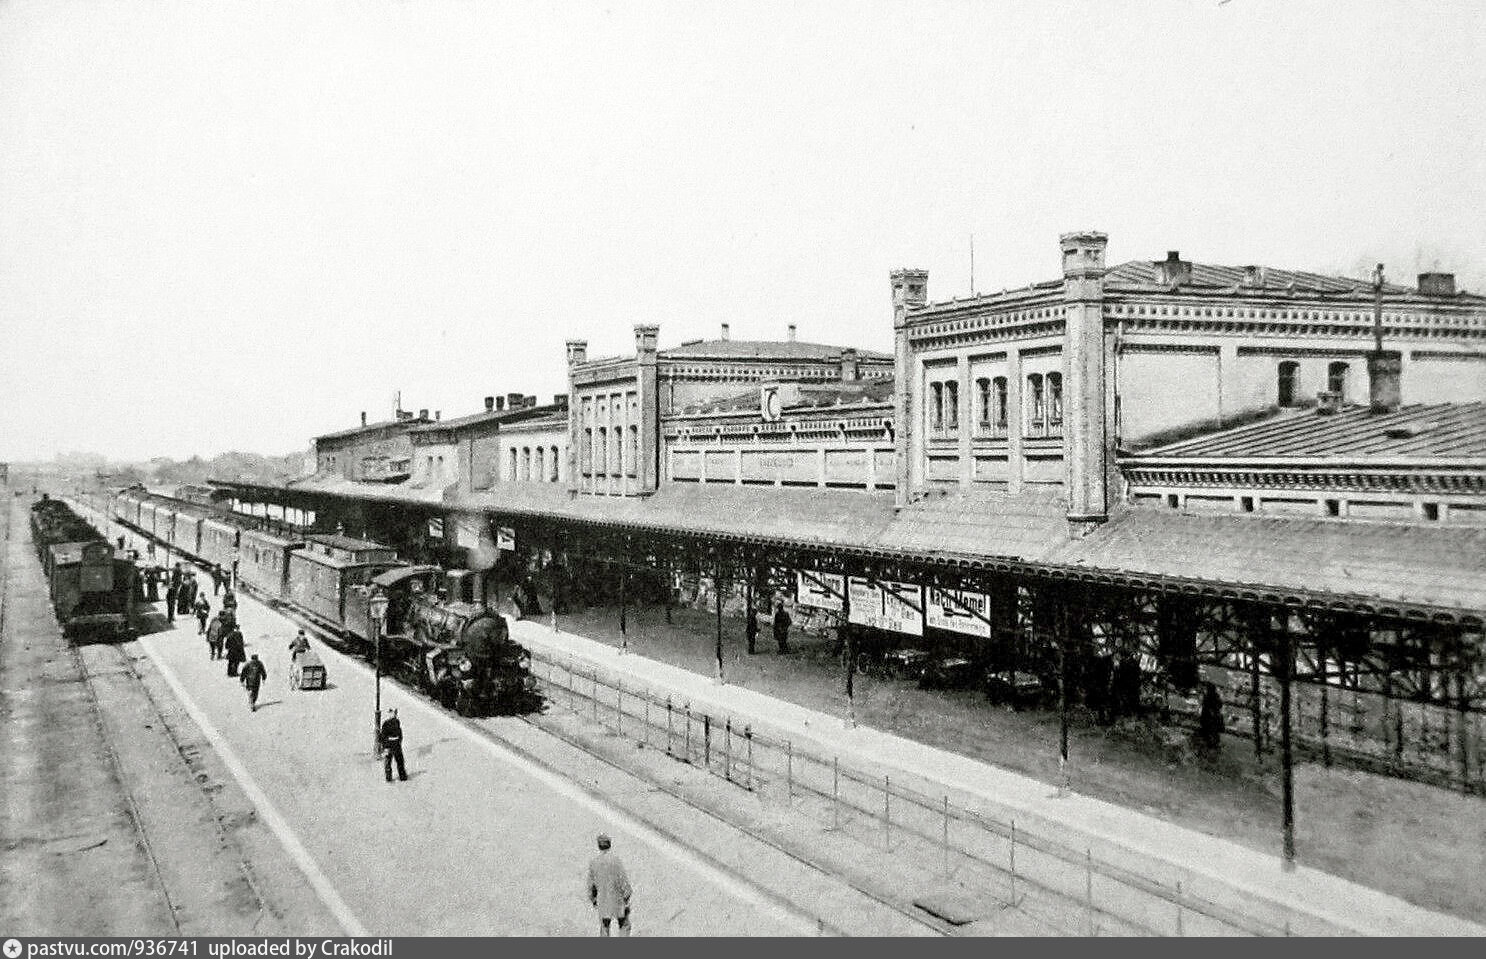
(254, 675)
(391, 736)
(298, 645)
(236, 650)
(203, 609)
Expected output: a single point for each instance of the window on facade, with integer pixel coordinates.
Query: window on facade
(983, 394)
(936, 406)
(601, 452)
(634, 449)
(1035, 409)
(1289, 377)
(552, 470)
(998, 396)
(526, 463)
(513, 464)
(1336, 379)
(1055, 399)
(952, 405)
(585, 454)
(541, 465)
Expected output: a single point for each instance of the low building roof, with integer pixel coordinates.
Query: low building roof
(765, 350)
(811, 396)
(371, 428)
(1445, 431)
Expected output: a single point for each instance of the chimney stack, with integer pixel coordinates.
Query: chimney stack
(577, 352)
(1384, 367)
(1174, 270)
(513, 401)
(489, 403)
(1437, 284)
(849, 368)
(560, 400)
(791, 332)
(423, 414)
(724, 331)
(1253, 276)
(500, 403)
(438, 415)
(363, 417)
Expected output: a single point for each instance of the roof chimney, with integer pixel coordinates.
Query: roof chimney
(1173, 270)
(724, 331)
(849, 369)
(1384, 380)
(1253, 276)
(513, 401)
(1437, 284)
(560, 400)
(438, 414)
(791, 332)
(489, 403)
(500, 403)
(423, 414)
(363, 417)
(577, 351)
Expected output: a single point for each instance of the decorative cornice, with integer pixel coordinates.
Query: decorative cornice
(1465, 482)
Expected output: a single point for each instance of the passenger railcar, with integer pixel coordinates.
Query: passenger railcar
(264, 562)
(185, 532)
(324, 584)
(219, 541)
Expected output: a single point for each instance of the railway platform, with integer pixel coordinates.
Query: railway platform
(1234, 879)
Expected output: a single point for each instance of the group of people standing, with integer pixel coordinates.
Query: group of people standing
(224, 637)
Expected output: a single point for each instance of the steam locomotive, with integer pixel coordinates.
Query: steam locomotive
(458, 651)
(94, 590)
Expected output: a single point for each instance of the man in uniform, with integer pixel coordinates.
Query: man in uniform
(171, 592)
(781, 627)
(609, 888)
(253, 677)
(392, 747)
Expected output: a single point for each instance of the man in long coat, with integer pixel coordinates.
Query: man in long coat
(609, 889)
(216, 635)
(236, 649)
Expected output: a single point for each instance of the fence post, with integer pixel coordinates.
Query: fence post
(887, 814)
(835, 792)
(669, 714)
(945, 836)
(595, 678)
(789, 773)
(707, 741)
(1013, 864)
(619, 708)
(727, 749)
(647, 719)
(687, 741)
(748, 737)
(1089, 888)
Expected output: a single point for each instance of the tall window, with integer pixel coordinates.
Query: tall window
(552, 470)
(936, 406)
(1336, 379)
(998, 397)
(634, 450)
(1055, 399)
(585, 452)
(541, 466)
(952, 405)
(1035, 403)
(513, 464)
(601, 452)
(1289, 377)
(983, 395)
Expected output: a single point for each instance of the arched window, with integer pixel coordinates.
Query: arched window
(526, 463)
(634, 450)
(952, 405)
(1036, 414)
(983, 395)
(541, 465)
(998, 397)
(1289, 380)
(512, 474)
(1336, 379)
(936, 406)
(552, 470)
(1055, 399)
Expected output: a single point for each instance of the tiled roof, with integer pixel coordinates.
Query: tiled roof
(812, 396)
(1454, 431)
(484, 416)
(763, 350)
(1389, 563)
(1143, 273)
(370, 427)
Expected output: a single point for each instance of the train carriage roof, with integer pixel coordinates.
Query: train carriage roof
(395, 576)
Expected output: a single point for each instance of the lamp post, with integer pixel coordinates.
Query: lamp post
(376, 610)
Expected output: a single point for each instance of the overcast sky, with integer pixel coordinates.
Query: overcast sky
(236, 225)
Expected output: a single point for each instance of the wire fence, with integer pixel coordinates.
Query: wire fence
(1078, 888)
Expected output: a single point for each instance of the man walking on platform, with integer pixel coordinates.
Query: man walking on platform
(392, 747)
(253, 678)
(216, 579)
(203, 609)
(608, 888)
(216, 635)
(171, 592)
(236, 649)
(781, 627)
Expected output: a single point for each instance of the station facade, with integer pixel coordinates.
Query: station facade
(1265, 479)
